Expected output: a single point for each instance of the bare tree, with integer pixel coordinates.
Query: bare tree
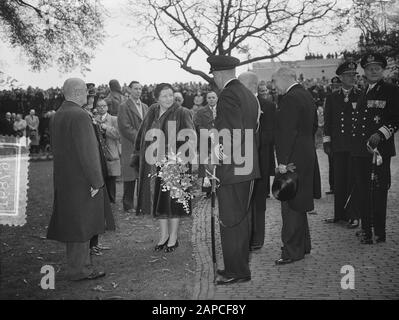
(378, 21)
(257, 29)
(53, 32)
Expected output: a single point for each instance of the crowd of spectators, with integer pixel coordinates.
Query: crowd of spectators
(17, 104)
(314, 56)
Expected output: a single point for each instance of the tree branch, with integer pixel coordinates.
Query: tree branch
(25, 4)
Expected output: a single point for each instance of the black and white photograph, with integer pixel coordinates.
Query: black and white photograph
(199, 155)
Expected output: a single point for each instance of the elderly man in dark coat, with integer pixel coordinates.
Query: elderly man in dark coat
(237, 112)
(266, 161)
(115, 97)
(131, 115)
(295, 118)
(80, 199)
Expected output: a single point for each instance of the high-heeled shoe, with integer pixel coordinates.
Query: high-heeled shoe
(159, 247)
(172, 248)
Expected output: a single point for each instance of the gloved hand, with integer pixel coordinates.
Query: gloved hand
(327, 147)
(284, 168)
(374, 140)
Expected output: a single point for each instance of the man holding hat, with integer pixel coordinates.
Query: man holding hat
(237, 109)
(376, 119)
(337, 125)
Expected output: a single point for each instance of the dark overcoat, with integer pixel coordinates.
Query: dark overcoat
(267, 161)
(294, 139)
(76, 217)
(151, 200)
(237, 108)
(129, 121)
(203, 119)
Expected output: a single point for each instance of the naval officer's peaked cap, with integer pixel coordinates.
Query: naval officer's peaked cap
(219, 63)
(373, 58)
(346, 67)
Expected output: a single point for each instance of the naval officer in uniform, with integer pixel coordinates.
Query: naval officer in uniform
(336, 142)
(376, 119)
(237, 113)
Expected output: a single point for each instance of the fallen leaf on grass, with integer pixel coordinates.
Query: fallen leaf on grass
(152, 261)
(114, 285)
(188, 270)
(26, 282)
(100, 289)
(39, 258)
(166, 259)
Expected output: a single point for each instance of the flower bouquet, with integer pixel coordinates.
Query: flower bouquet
(176, 179)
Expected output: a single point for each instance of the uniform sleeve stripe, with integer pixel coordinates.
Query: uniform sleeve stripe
(385, 131)
(326, 139)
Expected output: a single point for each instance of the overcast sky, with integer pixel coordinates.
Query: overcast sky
(114, 59)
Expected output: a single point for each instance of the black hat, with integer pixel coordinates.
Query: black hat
(285, 186)
(375, 58)
(219, 63)
(92, 93)
(90, 85)
(347, 66)
(335, 80)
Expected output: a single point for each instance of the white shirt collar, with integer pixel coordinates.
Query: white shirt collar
(371, 86)
(103, 117)
(291, 86)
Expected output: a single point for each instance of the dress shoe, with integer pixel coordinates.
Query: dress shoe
(353, 224)
(160, 247)
(366, 240)
(282, 261)
(254, 248)
(330, 192)
(380, 239)
(359, 233)
(222, 280)
(172, 248)
(93, 276)
(220, 272)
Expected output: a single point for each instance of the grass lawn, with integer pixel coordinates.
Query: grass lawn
(134, 270)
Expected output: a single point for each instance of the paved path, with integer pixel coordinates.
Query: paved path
(318, 275)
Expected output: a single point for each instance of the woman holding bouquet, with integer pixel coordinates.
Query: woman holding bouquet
(151, 198)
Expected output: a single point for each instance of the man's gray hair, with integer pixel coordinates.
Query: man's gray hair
(286, 72)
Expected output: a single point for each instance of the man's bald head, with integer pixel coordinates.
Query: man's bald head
(75, 90)
(250, 80)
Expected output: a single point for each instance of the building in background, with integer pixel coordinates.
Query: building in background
(308, 69)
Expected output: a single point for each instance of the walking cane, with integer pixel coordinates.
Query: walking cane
(213, 204)
(373, 178)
